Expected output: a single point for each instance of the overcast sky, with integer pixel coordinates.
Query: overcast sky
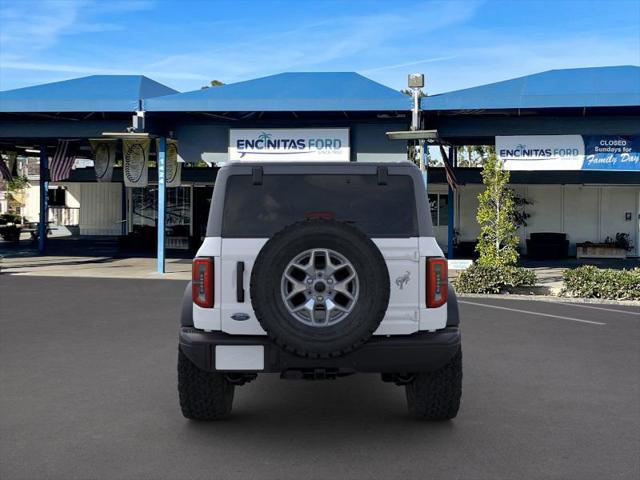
(185, 44)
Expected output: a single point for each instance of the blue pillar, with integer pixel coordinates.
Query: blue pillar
(453, 153)
(162, 190)
(44, 199)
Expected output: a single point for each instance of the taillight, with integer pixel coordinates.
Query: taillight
(202, 282)
(437, 282)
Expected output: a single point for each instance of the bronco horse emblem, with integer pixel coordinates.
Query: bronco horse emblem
(402, 280)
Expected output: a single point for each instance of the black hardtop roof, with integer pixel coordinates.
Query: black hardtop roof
(337, 168)
(402, 168)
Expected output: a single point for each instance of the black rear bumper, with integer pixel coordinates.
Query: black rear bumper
(419, 352)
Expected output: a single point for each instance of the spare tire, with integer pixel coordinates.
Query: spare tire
(320, 288)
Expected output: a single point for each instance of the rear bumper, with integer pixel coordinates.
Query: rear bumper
(419, 352)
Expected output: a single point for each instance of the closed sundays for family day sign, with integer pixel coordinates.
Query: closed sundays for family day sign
(569, 152)
(289, 144)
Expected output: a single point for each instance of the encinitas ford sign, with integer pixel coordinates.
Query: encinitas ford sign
(289, 144)
(541, 152)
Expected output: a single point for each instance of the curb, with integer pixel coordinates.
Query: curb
(551, 299)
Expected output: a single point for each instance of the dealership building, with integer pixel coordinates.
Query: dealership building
(570, 137)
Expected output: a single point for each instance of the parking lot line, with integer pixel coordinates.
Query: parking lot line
(531, 313)
(628, 312)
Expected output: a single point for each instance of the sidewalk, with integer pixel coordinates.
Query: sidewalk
(549, 276)
(98, 267)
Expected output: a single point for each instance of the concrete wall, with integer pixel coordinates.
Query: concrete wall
(32, 202)
(100, 208)
(583, 212)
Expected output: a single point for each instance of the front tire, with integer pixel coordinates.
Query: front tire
(436, 395)
(203, 395)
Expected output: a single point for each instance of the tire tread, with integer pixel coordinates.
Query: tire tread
(203, 395)
(436, 395)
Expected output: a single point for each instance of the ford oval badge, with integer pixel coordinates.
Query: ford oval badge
(241, 317)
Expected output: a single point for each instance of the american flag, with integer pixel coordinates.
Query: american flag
(4, 170)
(448, 169)
(62, 161)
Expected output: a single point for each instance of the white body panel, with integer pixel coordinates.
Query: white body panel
(405, 259)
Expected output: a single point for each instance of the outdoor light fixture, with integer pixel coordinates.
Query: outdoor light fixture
(430, 136)
(126, 134)
(416, 80)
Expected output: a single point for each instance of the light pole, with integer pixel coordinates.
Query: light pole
(416, 83)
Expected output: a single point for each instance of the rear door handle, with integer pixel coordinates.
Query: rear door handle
(240, 282)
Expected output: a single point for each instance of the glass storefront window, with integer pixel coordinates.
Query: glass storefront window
(144, 214)
(433, 206)
(443, 210)
(439, 206)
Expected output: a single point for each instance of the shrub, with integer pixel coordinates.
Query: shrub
(592, 282)
(493, 279)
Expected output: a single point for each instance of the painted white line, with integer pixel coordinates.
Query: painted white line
(573, 304)
(531, 313)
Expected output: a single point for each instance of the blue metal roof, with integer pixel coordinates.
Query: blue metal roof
(306, 91)
(96, 93)
(577, 87)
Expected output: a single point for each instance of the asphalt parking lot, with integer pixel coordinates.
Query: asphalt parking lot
(88, 390)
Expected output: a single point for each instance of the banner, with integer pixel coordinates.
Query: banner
(610, 152)
(289, 144)
(569, 152)
(173, 167)
(135, 154)
(541, 152)
(104, 157)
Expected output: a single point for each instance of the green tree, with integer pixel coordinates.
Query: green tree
(496, 210)
(474, 155)
(213, 83)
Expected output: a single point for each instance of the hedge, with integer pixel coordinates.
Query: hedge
(591, 282)
(494, 279)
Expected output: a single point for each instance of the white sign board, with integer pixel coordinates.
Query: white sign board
(541, 152)
(289, 144)
(459, 264)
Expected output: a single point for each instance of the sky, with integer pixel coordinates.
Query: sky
(185, 44)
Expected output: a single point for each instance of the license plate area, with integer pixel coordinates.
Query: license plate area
(239, 357)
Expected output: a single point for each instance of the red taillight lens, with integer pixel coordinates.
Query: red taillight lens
(202, 282)
(437, 282)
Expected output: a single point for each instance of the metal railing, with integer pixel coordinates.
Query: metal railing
(67, 216)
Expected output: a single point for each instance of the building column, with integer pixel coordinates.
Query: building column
(44, 199)
(162, 190)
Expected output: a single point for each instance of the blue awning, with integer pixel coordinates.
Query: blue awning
(96, 93)
(288, 92)
(570, 88)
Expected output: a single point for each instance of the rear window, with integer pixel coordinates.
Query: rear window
(262, 210)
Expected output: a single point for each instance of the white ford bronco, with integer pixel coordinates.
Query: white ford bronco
(318, 271)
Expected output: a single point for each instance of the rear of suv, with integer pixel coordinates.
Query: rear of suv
(318, 271)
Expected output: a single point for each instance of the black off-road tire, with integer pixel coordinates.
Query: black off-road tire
(340, 338)
(203, 395)
(436, 395)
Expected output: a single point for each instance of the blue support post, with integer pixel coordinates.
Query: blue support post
(44, 200)
(450, 207)
(162, 190)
